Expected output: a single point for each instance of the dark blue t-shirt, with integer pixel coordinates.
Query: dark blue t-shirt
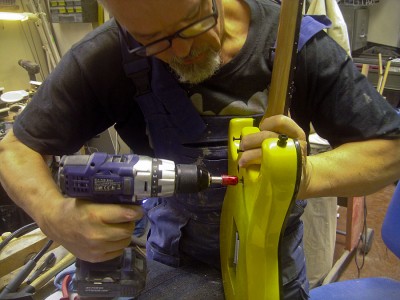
(89, 92)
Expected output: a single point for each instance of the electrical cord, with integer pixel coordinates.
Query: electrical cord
(47, 263)
(13, 285)
(17, 233)
(15, 282)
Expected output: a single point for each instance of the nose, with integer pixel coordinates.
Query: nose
(181, 47)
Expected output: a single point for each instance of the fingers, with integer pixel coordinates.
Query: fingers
(91, 231)
(108, 222)
(108, 256)
(107, 250)
(120, 231)
(283, 125)
(270, 127)
(250, 157)
(115, 213)
(253, 141)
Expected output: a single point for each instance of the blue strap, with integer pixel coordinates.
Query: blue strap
(135, 67)
(310, 26)
(158, 93)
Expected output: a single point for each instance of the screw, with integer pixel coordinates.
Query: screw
(282, 140)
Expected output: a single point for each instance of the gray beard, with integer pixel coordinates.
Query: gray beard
(196, 73)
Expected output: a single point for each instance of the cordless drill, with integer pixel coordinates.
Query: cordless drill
(125, 179)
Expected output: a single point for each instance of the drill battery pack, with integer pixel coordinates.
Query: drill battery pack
(124, 276)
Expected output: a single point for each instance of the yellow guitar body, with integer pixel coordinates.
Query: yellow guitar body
(254, 213)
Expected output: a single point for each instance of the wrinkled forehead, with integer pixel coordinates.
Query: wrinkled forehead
(143, 11)
(146, 17)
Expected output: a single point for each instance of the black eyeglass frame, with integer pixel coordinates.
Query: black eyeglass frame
(169, 38)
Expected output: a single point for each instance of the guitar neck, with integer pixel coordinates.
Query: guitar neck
(280, 92)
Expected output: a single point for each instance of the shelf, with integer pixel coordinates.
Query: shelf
(358, 2)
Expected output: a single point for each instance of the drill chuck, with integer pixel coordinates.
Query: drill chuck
(191, 179)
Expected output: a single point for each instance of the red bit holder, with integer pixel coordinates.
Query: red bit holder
(225, 180)
(229, 180)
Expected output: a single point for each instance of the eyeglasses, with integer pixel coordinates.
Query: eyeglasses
(188, 32)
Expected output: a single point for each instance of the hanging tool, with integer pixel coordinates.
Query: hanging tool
(31, 67)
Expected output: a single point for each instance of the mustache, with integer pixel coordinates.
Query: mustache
(196, 72)
(192, 54)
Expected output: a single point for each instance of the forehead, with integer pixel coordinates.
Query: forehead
(146, 16)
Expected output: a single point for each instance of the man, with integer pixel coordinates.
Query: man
(215, 52)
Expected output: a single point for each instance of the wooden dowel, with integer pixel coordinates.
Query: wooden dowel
(387, 69)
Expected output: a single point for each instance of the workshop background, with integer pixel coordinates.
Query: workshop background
(373, 26)
(20, 40)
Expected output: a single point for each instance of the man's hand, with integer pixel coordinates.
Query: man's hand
(272, 127)
(91, 231)
(341, 172)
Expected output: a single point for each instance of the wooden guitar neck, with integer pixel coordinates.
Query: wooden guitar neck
(280, 92)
